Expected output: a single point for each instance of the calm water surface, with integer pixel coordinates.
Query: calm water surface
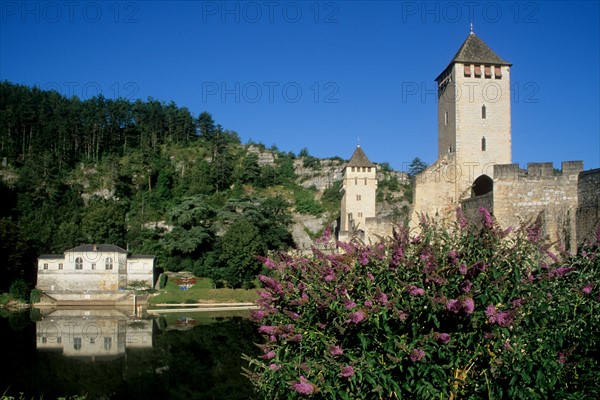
(106, 354)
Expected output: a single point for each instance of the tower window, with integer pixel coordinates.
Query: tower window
(353, 169)
(478, 71)
(467, 70)
(365, 181)
(483, 112)
(488, 71)
(483, 145)
(356, 181)
(358, 197)
(446, 118)
(498, 72)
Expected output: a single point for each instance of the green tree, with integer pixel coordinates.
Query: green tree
(416, 167)
(239, 249)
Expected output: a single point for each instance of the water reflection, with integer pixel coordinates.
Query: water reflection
(107, 354)
(94, 334)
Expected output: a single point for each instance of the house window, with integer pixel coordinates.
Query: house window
(467, 70)
(483, 145)
(109, 263)
(77, 343)
(483, 112)
(107, 343)
(488, 71)
(79, 263)
(45, 265)
(478, 71)
(93, 265)
(60, 265)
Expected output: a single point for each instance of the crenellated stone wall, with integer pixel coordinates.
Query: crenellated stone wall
(522, 195)
(588, 210)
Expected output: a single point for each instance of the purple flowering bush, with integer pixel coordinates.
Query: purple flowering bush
(468, 312)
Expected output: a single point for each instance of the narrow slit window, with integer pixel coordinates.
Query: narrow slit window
(483, 112)
(446, 118)
(356, 181)
(483, 144)
(365, 181)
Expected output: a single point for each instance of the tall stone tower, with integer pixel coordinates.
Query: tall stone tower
(474, 107)
(474, 129)
(359, 186)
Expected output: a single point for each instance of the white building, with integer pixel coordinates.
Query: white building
(93, 268)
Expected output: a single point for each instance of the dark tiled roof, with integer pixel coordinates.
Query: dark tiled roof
(141, 256)
(474, 50)
(359, 159)
(99, 247)
(51, 257)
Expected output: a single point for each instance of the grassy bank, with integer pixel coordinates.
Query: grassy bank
(202, 292)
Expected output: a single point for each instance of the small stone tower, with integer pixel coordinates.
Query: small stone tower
(359, 188)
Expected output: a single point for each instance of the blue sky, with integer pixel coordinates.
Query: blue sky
(320, 75)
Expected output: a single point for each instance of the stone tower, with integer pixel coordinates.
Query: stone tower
(474, 120)
(359, 186)
(474, 129)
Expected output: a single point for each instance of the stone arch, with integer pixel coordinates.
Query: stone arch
(482, 185)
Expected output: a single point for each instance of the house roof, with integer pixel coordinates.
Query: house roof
(141, 256)
(98, 247)
(474, 50)
(51, 257)
(359, 159)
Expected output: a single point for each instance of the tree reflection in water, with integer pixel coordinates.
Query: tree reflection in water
(202, 362)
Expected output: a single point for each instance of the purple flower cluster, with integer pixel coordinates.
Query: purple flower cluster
(381, 298)
(486, 217)
(356, 317)
(467, 305)
(417, 355)
(443, 338)
(502, 318)
(587, 289)
(415, 291)
(304, 386)
(335, 351)
(347, 371)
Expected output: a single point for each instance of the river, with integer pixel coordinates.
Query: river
(107, 354)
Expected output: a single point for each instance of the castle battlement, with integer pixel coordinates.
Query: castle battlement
(538, 171)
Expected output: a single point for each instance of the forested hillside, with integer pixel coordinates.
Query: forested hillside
(155, 179)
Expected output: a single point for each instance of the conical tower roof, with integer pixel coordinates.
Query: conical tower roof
(359, 159)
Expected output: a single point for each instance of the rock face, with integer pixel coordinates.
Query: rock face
(321, 176)
(302, 224)
(265, 157)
